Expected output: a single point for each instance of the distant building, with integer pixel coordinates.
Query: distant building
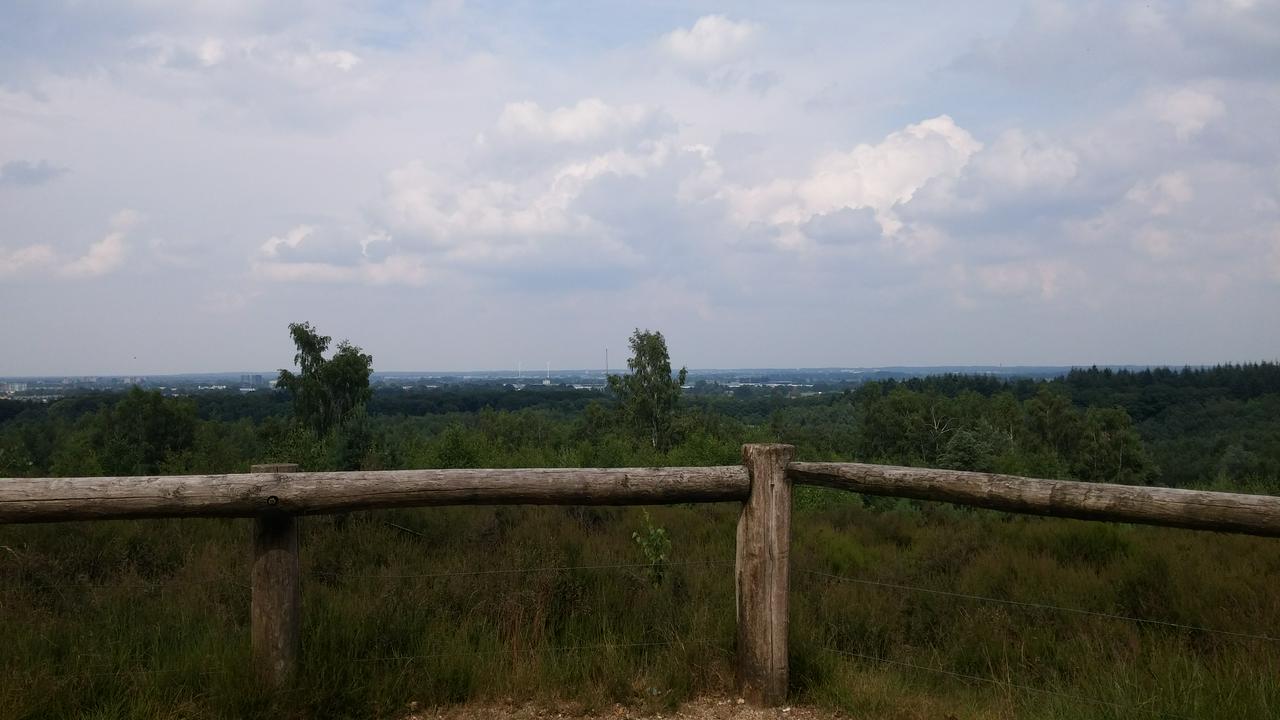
(251, 381)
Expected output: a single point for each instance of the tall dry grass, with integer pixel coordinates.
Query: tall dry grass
(149, 619)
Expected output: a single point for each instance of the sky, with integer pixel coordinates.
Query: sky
(474, 185)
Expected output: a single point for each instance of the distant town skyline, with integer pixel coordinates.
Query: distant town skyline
(460, 185)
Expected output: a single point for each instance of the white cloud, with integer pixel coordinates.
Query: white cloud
(394, 270)
(1015, 172)
(1186, 110)
(878, 177)
(304, 272)
(479, 216)
(343, 60)
(211, 52)
(108, 253)
(588, 122)
(291, 239)
(711, 41)
(30, 257)
(883, 175)
(372, 239)
(1141, 161)
(303, 254)
(1018, 161)
(1055, 43)
(1017, 278)
(444, 211)
(273, 55)
(1156, 242)
(1163, 194)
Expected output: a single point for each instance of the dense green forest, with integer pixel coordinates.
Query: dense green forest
(1195, 427)
(149, 618)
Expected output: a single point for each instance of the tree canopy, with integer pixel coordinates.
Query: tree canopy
(649, 394)
(326, 391)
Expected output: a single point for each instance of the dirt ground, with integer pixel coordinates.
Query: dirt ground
(721, 708)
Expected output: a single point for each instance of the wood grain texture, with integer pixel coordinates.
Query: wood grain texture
(26, 500)
(276, 608)
(1195, 509)
(763, 576)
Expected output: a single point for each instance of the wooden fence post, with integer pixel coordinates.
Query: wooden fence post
(276, 613)
(763, 576)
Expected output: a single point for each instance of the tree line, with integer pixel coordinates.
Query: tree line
(1176, 427)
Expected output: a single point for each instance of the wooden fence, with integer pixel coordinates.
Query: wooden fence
(274, 495)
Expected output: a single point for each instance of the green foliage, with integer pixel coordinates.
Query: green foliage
(87, 587)
(968, 450)
(656, 547)
(649, 394)
(326, 391)
(1110, 449)
(137, 434)
(150, 618)
(1239, 463)
(1053, 421)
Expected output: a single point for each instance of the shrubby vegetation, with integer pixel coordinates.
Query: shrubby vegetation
(1161, 427)
(92, 609)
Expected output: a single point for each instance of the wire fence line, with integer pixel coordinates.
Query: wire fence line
(519, 571)
(158, 584)
(552, 648)
(1042, 606)
(403, 658)
(575, 648)
(1011, 685)
(129, 673)
(152, 585)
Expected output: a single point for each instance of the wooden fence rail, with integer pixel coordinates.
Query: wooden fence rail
(27, 500)
(274, 495)
(1194, 509)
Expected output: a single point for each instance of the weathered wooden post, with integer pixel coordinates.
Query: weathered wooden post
(763, 575)
(276, 613)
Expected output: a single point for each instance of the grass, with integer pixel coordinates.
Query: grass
(149, 619)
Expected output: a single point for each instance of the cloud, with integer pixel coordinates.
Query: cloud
(307, 254)
(1009, 180)
(343, 60)
(14, 262)
(259, 52)
(394, 270)
(1163, 194)
(291, 239)
(566, 207)
(108, 253)
(26, 173)
(877, 177)
(211, 52)
(1186, 110)
(1020, 278)
(1023, 162)
(1055, 43)
(469, 157)
(712, 40)
(843, 226)
(590, 122)
(444, 212)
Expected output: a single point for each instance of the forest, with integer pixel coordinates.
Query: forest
(901, 609)
(1213, 427)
